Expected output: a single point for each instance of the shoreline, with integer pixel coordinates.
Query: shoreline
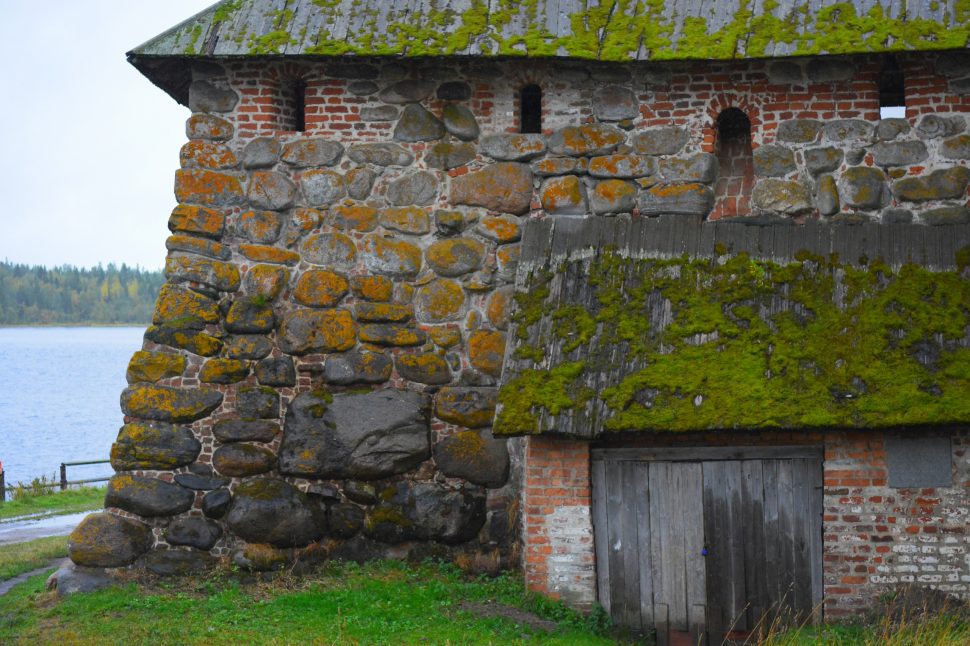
(25, 325)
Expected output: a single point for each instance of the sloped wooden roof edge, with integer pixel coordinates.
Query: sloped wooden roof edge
(608, 30)
(611, 30)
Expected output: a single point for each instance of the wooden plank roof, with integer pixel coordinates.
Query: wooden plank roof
(610, 30)
(670, 325)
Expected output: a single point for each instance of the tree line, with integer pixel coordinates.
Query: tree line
(35, 295)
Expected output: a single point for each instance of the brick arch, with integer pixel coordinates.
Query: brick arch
(733, 147)
(719, 104)
(523, 78)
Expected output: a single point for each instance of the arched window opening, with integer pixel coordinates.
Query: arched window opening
(293, 105)
(530, 109)
(892, 91)
(732, 192)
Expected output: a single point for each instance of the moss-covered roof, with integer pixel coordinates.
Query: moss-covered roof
(619, 30)
(688, 328)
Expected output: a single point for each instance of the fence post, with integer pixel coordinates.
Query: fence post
(3, 485)
(63, 476)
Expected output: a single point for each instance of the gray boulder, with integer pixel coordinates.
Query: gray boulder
(475, 456)
(781, 196)
(267, 510)
(106, 540)
(153, 445)
(427, 511)
(417, 124)
(193, 531)
(366, 436)
(863, 188)
(147, 496)
(898, 153)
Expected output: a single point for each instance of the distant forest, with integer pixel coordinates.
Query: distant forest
(101, 295)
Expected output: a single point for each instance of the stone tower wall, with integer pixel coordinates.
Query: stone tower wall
(320, 376)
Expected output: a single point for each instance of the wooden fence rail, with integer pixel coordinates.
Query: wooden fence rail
(63, 483)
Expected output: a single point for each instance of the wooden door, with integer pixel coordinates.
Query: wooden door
(707, 538)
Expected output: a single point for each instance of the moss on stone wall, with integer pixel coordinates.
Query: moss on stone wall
(814, 343)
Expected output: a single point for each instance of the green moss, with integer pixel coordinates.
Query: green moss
(620, 30)
(554, 390)
(963, 258)
(851, 346)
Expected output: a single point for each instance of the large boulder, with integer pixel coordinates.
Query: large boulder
(676, 199)
(147, 496)
(106, 540)
(173, 335)
(864, 188)
(475, 456)
(239, 460)
(364, 436)
(472, 407)
(193, 531)
(505, 187)
(178, 562)
(267, 510)
(417, 124)
(153, 445)
(660, 141)
(781, 196)
(513, 147)
(380, 154)
(898, 153)
(306, 331)
(357, 367)
(943, 184)
(167, 404)
(586, 140)
(426, 511)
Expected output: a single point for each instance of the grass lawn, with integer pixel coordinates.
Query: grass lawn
(58, 502)
(24, 557)
(378, 603)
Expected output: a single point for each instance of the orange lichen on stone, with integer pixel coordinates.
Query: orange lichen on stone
(153, 366)
(201, 246)
(469, 407)
(178, 304)
(440, 300)
(169, 404)
(204, 154)
(501, 229)
(392, 256)
(445, 336)
(412, 220)
(372, 288)
(267, 280)
(354, 218)
(224, 371)
(615, 190)
(208, 188)
(191, 218)
(425, 368)
(207, 126)
(499, 307)
(265, 253)
(259, 226)
(455, 256)
(486, 351)
(508, 257)
(320, 288)
(562, 194)
(383, 312)
(222, 276)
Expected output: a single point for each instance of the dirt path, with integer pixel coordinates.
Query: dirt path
(6, 586)
(20, 531)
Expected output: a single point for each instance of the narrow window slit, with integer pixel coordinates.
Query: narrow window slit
(530, 109)
(892, 90)
(293, 105)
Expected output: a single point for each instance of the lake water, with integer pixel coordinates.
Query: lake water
(59, 394)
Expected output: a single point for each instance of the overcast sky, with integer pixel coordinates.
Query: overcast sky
(89, 146)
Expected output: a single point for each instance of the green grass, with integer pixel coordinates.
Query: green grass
(58, 502)
(379, 603)
(940, 630)
(23, 557)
